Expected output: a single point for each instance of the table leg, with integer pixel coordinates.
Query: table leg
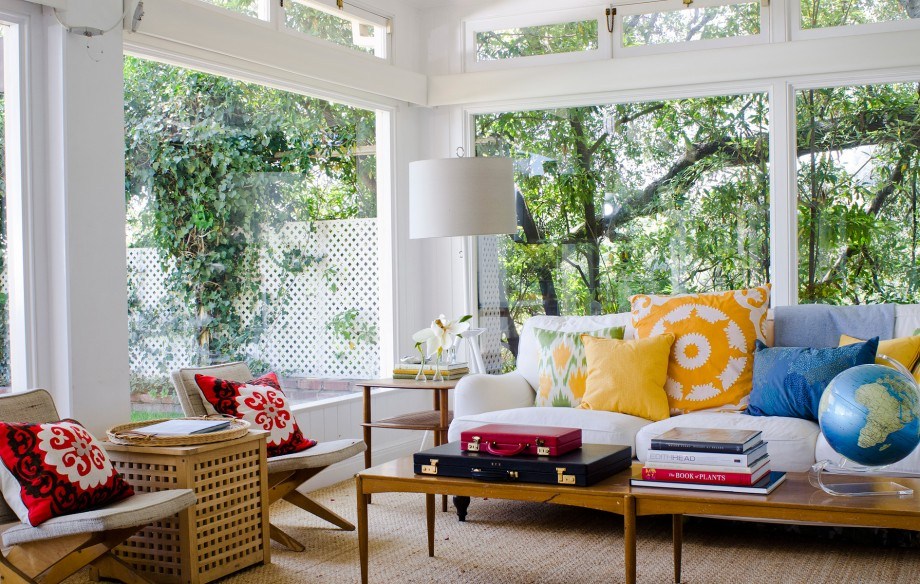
(678, 542)
(440, 437)
(367, 431)
(429, 517)
(362, 528)
(629, 538)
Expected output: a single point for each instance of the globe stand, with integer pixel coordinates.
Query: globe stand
(858, 489)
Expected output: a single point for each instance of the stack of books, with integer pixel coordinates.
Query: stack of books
(448, 372)
(711, 460)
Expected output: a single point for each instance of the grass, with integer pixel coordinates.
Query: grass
(145, 416)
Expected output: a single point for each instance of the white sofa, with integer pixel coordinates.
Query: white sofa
(793, 444)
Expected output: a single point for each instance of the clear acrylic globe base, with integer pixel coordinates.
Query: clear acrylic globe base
(849, 468)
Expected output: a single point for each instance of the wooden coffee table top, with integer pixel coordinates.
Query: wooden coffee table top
(794, 500)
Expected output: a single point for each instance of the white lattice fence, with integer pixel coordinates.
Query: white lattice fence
(311, 275)
(490, 305)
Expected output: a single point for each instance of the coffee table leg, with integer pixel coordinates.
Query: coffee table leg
(462, 504)
(441, 435)
(629, 538)
(678, 541)
(429, 517)
(362, 528)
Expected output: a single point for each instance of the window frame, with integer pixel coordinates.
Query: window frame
(329, 7)
(798, 33)
(472, 27)
(620, 50)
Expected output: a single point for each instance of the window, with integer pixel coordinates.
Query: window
(356, 29)
(828, 13)
(252, 231)
(858, 182)
(5, 380)
(692, 23)
(252, 8)
(530, 41)
(669, 196)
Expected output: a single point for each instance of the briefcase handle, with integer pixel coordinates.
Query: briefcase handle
(494, 475)
(495, 449)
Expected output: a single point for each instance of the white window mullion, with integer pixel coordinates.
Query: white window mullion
(784, 254)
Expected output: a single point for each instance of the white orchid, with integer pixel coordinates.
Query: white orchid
(441, 334)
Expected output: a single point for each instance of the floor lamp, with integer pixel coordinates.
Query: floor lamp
(462, 196)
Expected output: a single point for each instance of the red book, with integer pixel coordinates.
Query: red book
(706, 478)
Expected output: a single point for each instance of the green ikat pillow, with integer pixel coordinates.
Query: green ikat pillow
(562, 365)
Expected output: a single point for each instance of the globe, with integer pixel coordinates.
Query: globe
(870, 414)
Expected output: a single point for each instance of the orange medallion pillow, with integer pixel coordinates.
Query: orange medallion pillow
(712, 358)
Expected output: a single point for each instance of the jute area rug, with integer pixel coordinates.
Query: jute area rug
(515, 542)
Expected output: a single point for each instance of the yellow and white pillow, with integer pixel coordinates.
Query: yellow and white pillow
(711, 364)
(562, 367)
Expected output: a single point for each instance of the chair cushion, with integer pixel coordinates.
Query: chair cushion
(55, 469)
(596, 427)
(320, 456)
(563, 367)
(135, 511)
(713, 354)
(790, 441)
(261, 403)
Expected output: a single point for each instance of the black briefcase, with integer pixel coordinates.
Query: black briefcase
(585, 466)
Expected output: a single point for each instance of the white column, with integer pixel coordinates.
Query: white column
(784, 255)
(84, 355)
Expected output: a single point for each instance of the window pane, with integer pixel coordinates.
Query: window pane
(4, 278)
(826, 13)
(247, 7)
(368, 38)
(858, 183)
(568, 37)
(691, 24)
(252, 232)
(668, 196)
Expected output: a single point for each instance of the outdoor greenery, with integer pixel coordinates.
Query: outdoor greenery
(4, 293)
(673, 196)
(329, 27)
(824, 13)
(690, 24)
(247, 7)
(214, 165)
(529, 41)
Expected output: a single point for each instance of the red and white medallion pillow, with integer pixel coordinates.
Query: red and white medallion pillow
(55, 469)
(261, 403)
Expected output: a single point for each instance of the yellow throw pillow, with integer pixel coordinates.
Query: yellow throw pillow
(904, 350)
(627, 376)
(712, 359)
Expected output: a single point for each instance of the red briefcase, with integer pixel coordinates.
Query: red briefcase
(513, 440)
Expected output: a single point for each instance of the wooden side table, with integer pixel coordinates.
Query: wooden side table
(435, 420)
(225, 531)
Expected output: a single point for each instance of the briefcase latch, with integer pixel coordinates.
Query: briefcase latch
(474, 445)
(563, 478)
(542, 450)
(431, 469)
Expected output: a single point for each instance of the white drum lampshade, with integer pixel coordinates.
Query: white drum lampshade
(461, 196)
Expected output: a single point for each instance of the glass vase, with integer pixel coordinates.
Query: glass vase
(437, 369)
(420, 376)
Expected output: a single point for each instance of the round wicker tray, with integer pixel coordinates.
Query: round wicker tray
(123, 434)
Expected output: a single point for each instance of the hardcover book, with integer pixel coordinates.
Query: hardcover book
(756, 466)
(707, 440)
(711, 478)
(764, 487)
(742, 460)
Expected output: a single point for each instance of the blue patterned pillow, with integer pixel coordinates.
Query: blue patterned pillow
(789, 381)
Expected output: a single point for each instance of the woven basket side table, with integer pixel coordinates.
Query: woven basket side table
(225, 531)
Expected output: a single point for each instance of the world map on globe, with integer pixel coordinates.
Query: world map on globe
(870, 414)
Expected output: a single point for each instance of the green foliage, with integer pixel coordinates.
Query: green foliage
(529, 41)
(212, 163)
(327, 26)
(4, 295)
(825, 13)
(247, 7)
(351, 329)
(691, 24)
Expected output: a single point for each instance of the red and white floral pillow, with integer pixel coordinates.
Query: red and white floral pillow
(261, 403)
(55, 469)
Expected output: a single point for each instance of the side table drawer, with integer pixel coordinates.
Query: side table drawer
(225, 531)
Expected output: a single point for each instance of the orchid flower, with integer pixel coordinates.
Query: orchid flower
(441, 334)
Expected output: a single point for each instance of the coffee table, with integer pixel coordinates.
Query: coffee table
(611, 494)
(795, 500)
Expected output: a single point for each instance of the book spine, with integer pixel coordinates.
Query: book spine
(697, 446)
(747, 470)
(691, 476)
(708, 458)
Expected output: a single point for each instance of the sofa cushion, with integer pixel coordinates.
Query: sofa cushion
(790, 441)
(529, 349)
(909, 464)
(596, 427)
(563, 366)
(713, 355)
